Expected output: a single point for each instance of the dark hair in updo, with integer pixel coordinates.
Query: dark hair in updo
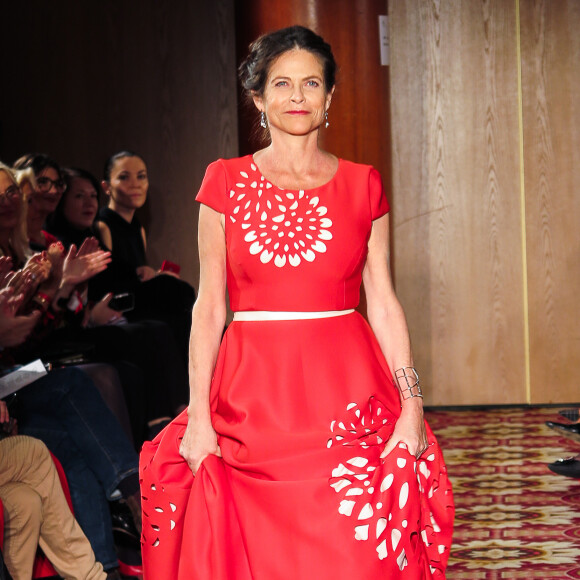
(110, 163)
(253, 72)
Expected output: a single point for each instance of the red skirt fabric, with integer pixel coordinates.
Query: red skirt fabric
(302, 410)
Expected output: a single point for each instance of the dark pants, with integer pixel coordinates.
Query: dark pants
(65, 410)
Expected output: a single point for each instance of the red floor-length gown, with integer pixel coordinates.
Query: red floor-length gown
(302, 409)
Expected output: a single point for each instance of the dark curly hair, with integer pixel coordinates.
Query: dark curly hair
(253, 72)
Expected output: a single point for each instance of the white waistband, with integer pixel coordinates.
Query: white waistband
(254, 315)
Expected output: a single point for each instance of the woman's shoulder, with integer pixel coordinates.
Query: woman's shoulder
(105, 215)
(359, 173)
(356, 168)
(223, 172)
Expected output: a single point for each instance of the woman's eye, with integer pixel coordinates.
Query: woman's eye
(281, 84)
(142, 176)
(313, 84)
(122, 177)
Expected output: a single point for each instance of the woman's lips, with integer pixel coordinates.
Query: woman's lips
(298, 112)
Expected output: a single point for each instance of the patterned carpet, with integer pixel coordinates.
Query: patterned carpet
(514, 518)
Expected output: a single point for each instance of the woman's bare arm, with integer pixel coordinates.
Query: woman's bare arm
(388, 322)
(208, 321)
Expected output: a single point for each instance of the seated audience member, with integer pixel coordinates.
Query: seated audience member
(73, 219)
(157, 294)
(36, 512)
(148, 344)
(15, 252)
(43, 195)
(13, 235)
(65, 411)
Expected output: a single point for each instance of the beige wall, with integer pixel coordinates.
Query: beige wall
(85, 79)
(551, 136)
(485, 218)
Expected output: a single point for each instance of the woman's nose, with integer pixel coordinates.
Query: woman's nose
(297, 95)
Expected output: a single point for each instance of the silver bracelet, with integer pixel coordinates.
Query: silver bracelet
(407, 381)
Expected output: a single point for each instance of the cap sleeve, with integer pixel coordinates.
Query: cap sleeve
(213, 187)
(377, 196)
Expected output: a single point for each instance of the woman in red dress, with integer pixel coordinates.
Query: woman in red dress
(304, 452)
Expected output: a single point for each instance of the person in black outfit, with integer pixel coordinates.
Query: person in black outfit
(158, 295)
(147, 343)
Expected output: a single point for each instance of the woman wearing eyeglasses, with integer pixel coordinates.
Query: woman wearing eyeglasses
(43, 197)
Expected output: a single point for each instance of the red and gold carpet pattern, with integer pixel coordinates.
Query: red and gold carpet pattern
(514, 517)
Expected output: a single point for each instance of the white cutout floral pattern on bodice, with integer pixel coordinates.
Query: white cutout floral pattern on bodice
(376, 496)
(288, 227)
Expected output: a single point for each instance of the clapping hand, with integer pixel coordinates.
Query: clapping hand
(24, 282)
(14, 329)
(5, 270)
(82, 264)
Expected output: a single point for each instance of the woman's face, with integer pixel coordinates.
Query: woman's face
(48, 191)
(129, 183)
(80, 204)
(295, 98)
(10, 200)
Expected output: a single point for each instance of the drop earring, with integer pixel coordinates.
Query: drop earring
(326, 123)
(263, 121)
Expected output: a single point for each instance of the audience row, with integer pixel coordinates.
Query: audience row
(77, 293)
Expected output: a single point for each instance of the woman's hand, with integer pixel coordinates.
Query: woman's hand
(88, 246)
(14, 330)
(199, 441)
(101, 314)
(38, 268)
(56, 255)
(146, 273)
(24, 283)
(5, 270)
(79, 266)
(410, 430)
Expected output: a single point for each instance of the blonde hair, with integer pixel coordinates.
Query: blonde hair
(19, 237)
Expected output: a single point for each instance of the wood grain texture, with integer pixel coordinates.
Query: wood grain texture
(359, 114)
(456, 215)
(551, 112)
(92, 78)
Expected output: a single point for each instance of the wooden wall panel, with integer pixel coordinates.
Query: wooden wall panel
(456, 196)
(86, 79)
(551, 114)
